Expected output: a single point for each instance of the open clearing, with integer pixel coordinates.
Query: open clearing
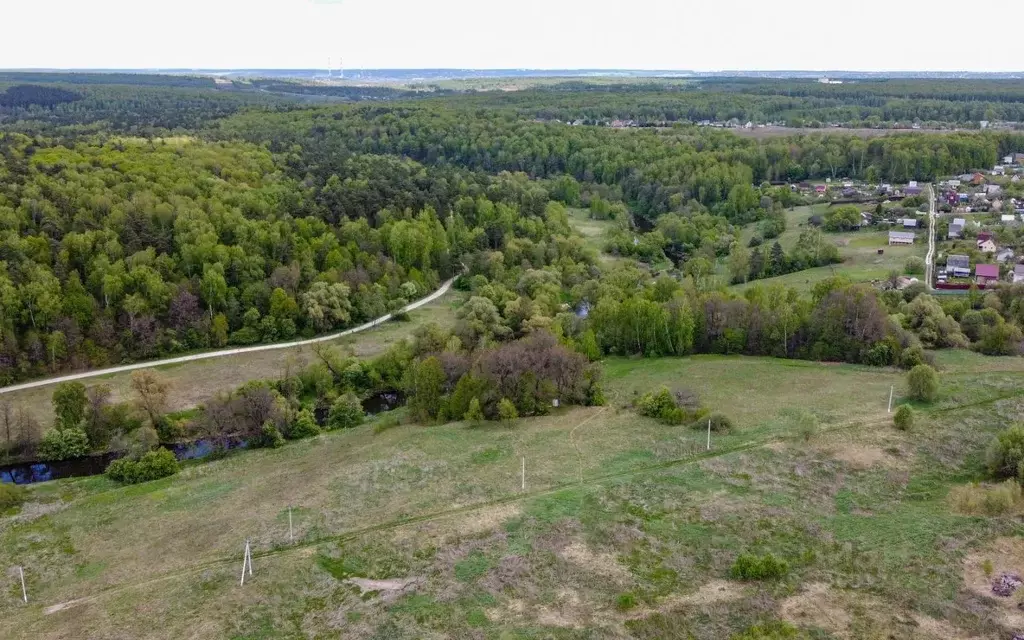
(858, 249)
(194, 382)
(627, 528)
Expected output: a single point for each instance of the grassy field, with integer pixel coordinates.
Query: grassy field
(194, 382)
(626, 528)
(593, 232)
(861, 261)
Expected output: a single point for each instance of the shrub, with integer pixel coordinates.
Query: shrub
(719, 423)
(153, 465)
(507, 412)
(346, 412)
(914, 265)
(474, 414)
(1005, 456)
(986, 499)
(923, 383)
(63, 444)
(304, 426)
(270, 437)
(903, 418)
(751, 567)
(913, 356)
(11, 495)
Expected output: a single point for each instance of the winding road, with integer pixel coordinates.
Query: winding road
(229, 352)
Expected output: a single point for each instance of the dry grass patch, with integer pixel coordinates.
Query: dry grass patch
(853, 616)
(987, 499)
(601, 564)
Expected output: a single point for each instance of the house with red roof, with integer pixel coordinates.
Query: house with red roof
(986, 273)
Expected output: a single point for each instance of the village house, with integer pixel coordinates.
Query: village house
(993, 189)
(977, 179)
(956, 228)
(908, 223)
(1005, 255)
(821, 189)
(986, 273)
(958, 266)
(1018, 273)
(901, 237)
(987, 246)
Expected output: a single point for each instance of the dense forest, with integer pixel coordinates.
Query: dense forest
(141, 220)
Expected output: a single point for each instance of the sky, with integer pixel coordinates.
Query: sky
(871, 35)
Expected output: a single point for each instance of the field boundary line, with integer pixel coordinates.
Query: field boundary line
(575, 445)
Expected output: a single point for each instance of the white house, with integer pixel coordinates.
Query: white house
(901, 237)
(987, 245)
(1005, 255)
(1007, 217)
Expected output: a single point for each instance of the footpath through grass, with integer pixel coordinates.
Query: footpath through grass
(626, 528)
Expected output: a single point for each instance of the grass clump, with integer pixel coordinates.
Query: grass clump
(751, 567)
(11, 495)
(626, 601)
(986, 500)
(903, 418)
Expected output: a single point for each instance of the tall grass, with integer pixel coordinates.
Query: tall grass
(986, 499)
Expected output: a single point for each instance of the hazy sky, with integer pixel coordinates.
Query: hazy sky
(551, 34)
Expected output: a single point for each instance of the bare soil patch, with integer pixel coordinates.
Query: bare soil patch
(1005, 556)
(389, 590)
(861, 456)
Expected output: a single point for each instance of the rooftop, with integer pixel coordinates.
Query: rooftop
(960, 261)
(987, 270)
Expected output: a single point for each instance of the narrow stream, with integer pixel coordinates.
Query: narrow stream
(40, 471)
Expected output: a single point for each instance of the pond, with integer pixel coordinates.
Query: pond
(383, 401)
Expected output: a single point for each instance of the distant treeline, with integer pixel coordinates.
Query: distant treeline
(27, 95)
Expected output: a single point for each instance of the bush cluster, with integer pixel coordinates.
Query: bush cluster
(63, 444)
(677, 407)
(153, 465)
(752, 567)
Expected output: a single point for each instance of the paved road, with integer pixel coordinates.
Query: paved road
(929, 260)
(227, 352)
